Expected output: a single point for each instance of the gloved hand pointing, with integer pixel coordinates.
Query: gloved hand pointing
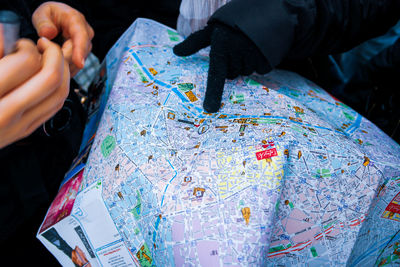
(232, 54)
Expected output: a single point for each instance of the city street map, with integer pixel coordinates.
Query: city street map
(283, 174)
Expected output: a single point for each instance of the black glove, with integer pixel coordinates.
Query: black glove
(232, 54)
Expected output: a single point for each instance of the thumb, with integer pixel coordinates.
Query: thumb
(67, 50)
(194, 42)
(43, 22)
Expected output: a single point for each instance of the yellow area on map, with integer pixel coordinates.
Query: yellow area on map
(234, 176)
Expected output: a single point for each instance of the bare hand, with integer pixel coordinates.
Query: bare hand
(34, 86)
(52, 18)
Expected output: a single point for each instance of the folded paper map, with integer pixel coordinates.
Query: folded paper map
(283, 175)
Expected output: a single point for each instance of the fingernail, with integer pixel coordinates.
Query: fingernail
(44, 38)
(83, 62)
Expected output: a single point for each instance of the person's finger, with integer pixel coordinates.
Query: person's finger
(90, 31)
(44, 22)
(44, 83)
(217, 72)
(72, 24)
(46, 109)
(194, 42)
(18, 67)
(67, 52)
(29, 120)
(67, 48)
(78, 32)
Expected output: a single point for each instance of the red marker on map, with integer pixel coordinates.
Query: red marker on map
(266, 154)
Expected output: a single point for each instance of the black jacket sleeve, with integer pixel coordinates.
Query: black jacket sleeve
(297, 29)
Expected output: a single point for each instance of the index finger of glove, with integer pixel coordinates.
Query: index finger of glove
(217, 72)
(194, 42)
